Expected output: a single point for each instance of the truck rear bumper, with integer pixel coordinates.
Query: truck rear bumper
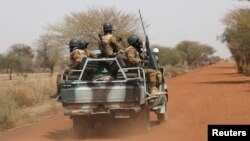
(116, 112)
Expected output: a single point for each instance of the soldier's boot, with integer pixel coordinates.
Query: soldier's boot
(155, 91)
(159, 77)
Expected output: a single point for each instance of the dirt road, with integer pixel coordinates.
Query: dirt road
(210, 95)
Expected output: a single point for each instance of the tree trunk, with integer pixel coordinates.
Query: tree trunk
(52, 70)
(10, 73)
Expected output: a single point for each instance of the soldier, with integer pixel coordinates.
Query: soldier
(108, 45)
(78, 51)
(134, 59)
(83, 44)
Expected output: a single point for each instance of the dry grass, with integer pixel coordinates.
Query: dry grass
(22, 99)
(173, 71)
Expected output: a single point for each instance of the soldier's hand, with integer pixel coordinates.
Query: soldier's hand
(145, 61)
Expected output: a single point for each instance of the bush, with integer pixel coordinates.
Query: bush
(8, 110)
(19, 96)
(22, 96)
(171, 71)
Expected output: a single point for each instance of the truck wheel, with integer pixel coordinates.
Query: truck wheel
(161, 118)
(142, 120)
(80, 126)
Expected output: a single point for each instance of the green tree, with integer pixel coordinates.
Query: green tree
(2, 62)
(237, 37)
(18, 59)
(23, 56)
(195, 53)
(169, 56)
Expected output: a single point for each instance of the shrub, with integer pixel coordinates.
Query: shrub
(8, 110)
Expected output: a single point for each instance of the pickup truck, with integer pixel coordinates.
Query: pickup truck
(90, 95)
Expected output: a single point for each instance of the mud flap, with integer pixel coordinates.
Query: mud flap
(159, 106)
(141, 120)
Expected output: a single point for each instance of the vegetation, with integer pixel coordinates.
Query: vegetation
(18, 59)
(19, 94)
(237, 37)
(49, 52)
(88, 24)
(185, 56)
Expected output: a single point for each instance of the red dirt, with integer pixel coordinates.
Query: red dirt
(210, 95)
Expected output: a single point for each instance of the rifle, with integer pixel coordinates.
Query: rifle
(153, 64)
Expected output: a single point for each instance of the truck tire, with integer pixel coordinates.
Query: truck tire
(161, 118)
(142, 119)
(80, 126)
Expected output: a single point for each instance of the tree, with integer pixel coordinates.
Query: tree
(190, 49)
(2, 62)
(19, 59)
(195, 53)
(49, 52)
(237, 37)
(169, 56)
(206, 54)
(88, 24)
(214, 59)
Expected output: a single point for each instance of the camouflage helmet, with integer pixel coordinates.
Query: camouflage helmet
(107, 26)
(73, 43)
(83, 44)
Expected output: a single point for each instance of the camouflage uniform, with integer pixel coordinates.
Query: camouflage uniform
(133, 60)
(76, 57)
(109, 45)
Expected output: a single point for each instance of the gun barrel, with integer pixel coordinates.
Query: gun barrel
(149, 53)
(142, 23)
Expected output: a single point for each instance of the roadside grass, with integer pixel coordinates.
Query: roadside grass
(173, 71)
(24, 99)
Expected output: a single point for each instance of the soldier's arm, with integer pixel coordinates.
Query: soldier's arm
(114, 41)
(132, 57)
(77, 59)
(93, 55)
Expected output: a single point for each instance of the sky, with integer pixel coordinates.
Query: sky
(171, 21)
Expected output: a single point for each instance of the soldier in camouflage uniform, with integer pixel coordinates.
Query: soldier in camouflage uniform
(134, 59)
(78, 52)
(108, 45)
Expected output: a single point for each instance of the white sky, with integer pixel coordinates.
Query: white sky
(171, 21)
